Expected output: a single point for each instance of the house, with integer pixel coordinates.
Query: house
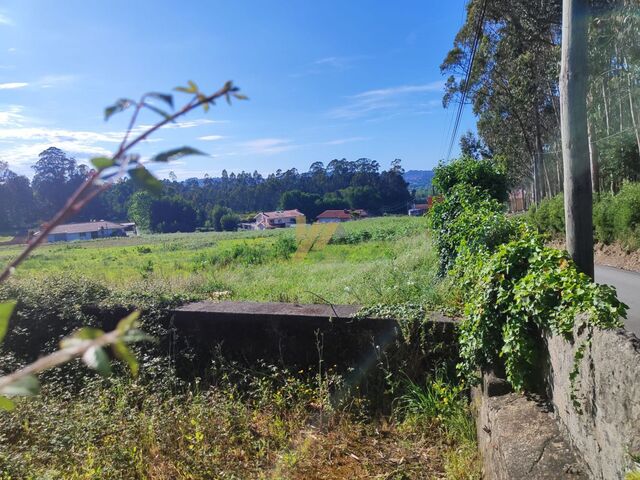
(337, 216)
(279, 219)
(420, 209)
(86, 231)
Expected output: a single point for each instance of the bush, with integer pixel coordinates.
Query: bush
(482, 174)
(469, 219)
(626, 218)
(603, 213)
(516, 294)
(549, 215)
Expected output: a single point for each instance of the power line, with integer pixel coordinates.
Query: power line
(465, 87)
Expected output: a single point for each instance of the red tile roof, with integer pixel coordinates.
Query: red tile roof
(342, 214)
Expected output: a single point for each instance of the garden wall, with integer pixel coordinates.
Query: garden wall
(607, 432)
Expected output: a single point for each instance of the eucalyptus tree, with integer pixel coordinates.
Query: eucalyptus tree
(512, 85)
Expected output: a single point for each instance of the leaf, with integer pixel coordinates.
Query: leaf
(117, 107)
(128, 322)
(121, 351)
(165, 97)
(7, 404)
(24, 387)
(6, 310)
(240, 96)
(157, 110)
(176, 153)
(142, 178)
(97, 359)
(80, 336)
(192, 88)
(102, 163)
(205, 104)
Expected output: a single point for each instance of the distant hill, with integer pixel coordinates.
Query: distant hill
(418, 178)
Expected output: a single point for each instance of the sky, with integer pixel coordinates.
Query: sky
(325, 80)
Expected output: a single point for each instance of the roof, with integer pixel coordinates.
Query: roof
(86, 227)
(342, 214)
(283, 214)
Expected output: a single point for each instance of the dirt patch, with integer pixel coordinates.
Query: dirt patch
(613, 255)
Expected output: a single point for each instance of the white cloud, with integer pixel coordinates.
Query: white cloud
(268, 145)
(49, 81)
(385, 100)
(12, 116)
(12, 85)
(4, 20)
(326, 64)
(12, 50)
(342, 141)
(211, 138)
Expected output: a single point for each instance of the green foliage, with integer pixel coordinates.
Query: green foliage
(467, 218)
(229, 222)
(441, 402)
(549, 215)
(483, 174)
(626, 215)
(522, 290)
(615, 217)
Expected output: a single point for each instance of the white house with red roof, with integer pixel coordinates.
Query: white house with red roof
(337, 216)
(279, 219)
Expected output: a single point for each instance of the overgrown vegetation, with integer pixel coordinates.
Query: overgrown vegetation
(238, 420)
(616, 218)
(514, 287)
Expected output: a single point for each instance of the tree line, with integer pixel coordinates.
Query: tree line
(513, 89)
(211, 203)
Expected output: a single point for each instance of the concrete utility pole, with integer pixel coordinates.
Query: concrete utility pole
(575, 144)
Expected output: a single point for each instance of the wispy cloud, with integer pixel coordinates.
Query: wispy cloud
(12, 85)
(328, 64)
(50, 81)
(211, 138)
(385, 100)
(268, 145)
(342, 141)
(4, 20)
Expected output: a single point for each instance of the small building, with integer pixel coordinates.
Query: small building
(279, 219)
(418, 209)
(338, 216)
(86, 231)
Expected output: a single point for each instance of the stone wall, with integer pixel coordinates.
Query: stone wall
(607, 431)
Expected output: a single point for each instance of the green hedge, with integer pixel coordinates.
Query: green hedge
(616, 218)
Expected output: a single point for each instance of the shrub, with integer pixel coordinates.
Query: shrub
(626, 218)
(603, 213)
(468, 218)
(482, 174)
(549, 215)
(516, 294)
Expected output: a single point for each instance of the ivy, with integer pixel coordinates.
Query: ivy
(515, 288)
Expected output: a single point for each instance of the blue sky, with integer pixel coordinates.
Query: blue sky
(326, 80)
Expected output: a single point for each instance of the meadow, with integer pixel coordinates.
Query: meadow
(379, 260)
(239, 421)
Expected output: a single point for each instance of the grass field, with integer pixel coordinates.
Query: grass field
(256, 421)
(381, 260)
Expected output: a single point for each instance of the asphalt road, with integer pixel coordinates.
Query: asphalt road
(628, 287)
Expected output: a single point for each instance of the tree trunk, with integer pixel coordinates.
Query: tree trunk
(633, 114)
(594, 159)
(606, 106)
(575, 144)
